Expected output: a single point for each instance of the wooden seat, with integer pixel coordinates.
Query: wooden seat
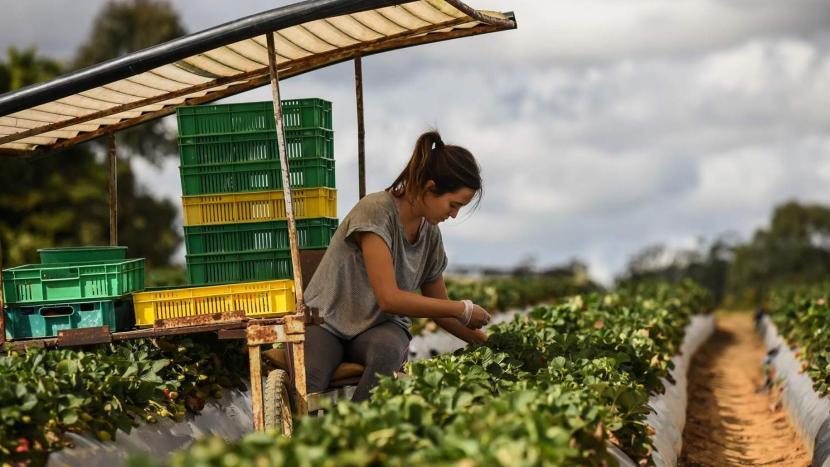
(346, 373)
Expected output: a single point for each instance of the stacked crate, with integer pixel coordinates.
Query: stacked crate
(234, 209)
(71, 288)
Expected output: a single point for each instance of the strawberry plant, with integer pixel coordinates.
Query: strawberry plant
(802, 316)
(99, 389)
(550, 388)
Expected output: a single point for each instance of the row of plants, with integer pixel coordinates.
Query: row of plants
(99, 389)
(505, 293)
(553, 387)
(802, 316)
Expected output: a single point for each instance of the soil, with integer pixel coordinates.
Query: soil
(733, 418)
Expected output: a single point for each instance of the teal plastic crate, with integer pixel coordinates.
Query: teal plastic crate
(255, 176)
(224, 268)
(202, 120)
(255, 147)
(82, 254)
(312, 234)
(76, 282)
(24, 322)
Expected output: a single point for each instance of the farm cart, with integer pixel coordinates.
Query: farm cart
(213, 64)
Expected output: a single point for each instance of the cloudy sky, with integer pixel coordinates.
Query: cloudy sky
(602, 126)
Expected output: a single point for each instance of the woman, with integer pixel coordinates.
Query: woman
(386, 248)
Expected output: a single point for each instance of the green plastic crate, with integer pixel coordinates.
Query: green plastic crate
(82, 254)
(255, 176)
(312, 234)
(201, 120)
(23, 322)
(223, 268)
(77, 282)
(255, 147)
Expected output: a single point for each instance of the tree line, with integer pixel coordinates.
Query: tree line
(794, 249)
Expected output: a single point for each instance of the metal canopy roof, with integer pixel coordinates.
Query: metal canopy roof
(222, 61)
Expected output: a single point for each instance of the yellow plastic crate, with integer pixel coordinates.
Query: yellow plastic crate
(258, 206)
(256, 299)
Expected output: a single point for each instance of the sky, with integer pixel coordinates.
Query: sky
(601, 126)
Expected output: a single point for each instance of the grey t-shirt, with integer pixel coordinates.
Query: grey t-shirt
(340, 288)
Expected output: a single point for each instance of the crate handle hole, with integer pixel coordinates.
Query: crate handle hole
(56, 311)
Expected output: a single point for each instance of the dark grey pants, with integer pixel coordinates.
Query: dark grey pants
(381, 349)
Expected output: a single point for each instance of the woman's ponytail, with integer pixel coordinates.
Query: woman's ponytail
(450, 167)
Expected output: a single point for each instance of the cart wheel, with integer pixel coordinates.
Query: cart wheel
(277, 406)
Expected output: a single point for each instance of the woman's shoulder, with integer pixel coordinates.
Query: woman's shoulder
(373, 205)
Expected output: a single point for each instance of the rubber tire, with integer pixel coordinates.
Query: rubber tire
(277, 406)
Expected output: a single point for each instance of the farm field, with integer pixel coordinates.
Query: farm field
(734, 417)
(465, 233)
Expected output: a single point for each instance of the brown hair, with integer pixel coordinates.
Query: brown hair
(450, 167)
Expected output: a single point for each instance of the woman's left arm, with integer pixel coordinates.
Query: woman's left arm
(438, 289)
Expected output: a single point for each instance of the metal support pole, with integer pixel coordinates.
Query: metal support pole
(254, 357)
(2, 313)
(286, 187)
(113, 191)
(361, 132)
(298, 363)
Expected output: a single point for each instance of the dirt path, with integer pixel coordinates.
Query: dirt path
(731, 419)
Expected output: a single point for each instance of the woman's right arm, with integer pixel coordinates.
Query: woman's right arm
(391, 299)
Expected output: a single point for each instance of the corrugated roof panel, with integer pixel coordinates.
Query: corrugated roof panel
(348, 31)
(172, 72)
(134, 89)
(378, 22)
(402, 17)
(428, 13)
(303, 38)
(134, 95)
(284, 47)
(109, 96)
(232, 59)
(253, 51)
(58, 110)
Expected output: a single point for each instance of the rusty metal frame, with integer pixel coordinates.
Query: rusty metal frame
(112, 188)
(361, 130)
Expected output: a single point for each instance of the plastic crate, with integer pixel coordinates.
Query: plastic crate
(312, 234)
(82, 254)
(76, 282)
(24, 322)
(256, 299)
(255, 176)
(259, 146)
(246, 117)
(258, 207)
(223, 268)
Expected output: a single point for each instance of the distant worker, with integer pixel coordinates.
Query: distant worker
(386, 248)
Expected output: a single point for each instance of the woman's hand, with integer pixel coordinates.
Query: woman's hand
(479, 318)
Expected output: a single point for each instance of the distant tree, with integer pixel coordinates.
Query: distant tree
(61, 199)
(795, 248)
(127, 26)
(708, 264)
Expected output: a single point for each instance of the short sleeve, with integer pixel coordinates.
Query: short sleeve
(437, 259)
(368, 216)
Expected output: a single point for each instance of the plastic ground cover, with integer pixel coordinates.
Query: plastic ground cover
(809, 413)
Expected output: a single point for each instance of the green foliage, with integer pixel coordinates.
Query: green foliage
(62, 199)
(99, 389)
(127, 26)
(802, 316)
(552, 388)
(505, 293)
(793, 249)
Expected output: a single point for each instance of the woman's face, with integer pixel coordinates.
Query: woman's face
(438, 208)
